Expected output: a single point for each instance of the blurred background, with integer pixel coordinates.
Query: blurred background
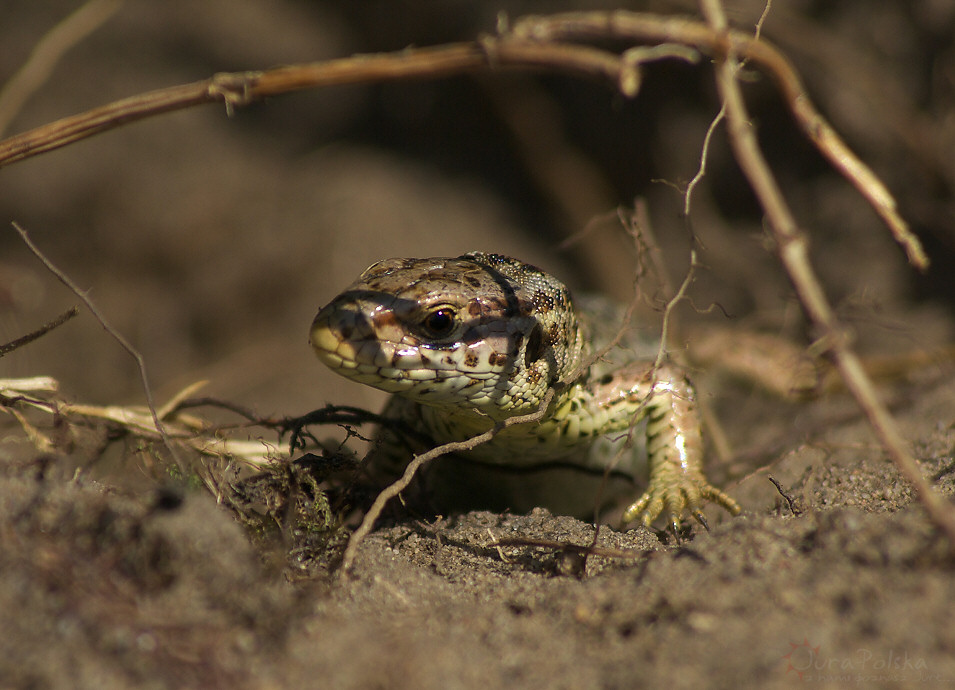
(211, 240)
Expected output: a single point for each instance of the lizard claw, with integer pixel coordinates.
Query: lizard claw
(676, 499)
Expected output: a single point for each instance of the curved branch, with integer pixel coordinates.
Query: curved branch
(533, 43)
(651, 28)
(236, 89)
(793, 252)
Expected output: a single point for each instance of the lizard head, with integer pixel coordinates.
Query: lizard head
(477, 331)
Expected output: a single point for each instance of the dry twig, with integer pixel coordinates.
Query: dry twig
(368, 521)
(651, 28)
(117, 336)
(533, 43)
(242, 88)
(792, 245)
(587, 550)
(7, 348)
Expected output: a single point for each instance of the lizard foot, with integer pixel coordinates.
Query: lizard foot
(676, 498)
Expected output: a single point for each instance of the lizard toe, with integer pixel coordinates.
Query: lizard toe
(677, 502)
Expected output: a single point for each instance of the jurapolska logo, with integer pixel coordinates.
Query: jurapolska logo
(800, 657)
(808, 663)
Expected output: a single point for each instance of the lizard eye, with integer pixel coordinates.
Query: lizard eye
(440, 322)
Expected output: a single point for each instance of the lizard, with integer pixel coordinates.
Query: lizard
(465, 342)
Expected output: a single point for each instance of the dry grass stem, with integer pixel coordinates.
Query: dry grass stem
(47, 53)
(40, 393)
(33, 384)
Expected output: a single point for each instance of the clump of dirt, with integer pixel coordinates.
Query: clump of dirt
(98, 589)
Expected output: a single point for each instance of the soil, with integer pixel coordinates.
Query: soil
(210, 241)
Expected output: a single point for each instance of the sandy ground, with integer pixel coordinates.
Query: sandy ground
(211, 241)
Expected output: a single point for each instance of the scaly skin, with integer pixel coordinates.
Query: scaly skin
(463, 342)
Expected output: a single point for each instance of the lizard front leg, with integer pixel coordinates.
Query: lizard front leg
(677, 484)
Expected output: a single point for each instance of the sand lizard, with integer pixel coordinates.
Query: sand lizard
(462, 342)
